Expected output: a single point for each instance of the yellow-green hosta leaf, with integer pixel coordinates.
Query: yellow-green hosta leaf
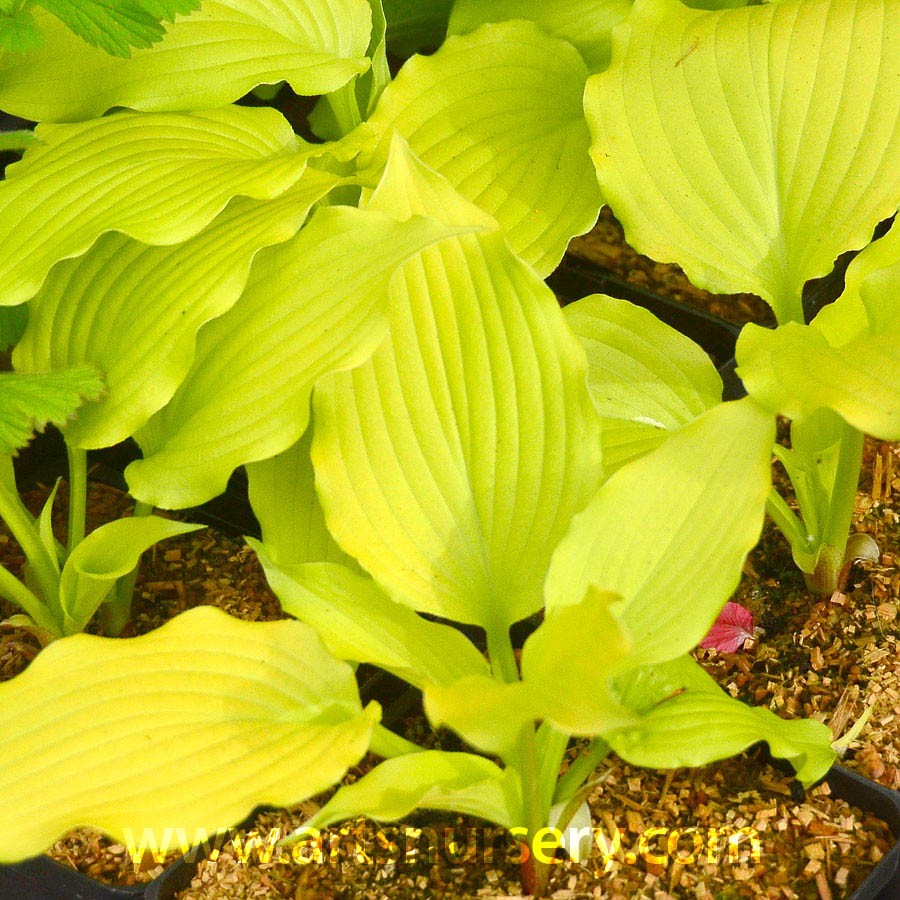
(499, 114)
(669, 532)
(283, 496)
(568, 668)
(434, 779)
(450, 464)
(416, 25)
(313, 305)
(870, 303)
(700, 723)
(572, 660)
(104, 556)
(359, 622)
(363, 91)
(208, 59)
(29, 402)
(189, 726)
(645, 378)
(586, 24)
(751, 146)
(133, 310)
(794, 371)
(158, 178)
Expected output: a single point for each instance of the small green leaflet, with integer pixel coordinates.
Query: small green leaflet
(29, 402)
(116, 26)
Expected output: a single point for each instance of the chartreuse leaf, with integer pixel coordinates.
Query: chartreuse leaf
(870, 303)
(358, 622)
(847, 360)
(356, 100)
(670, 531)
(29, 402)
(104, 556)
(112, 25)
(283, 496)
(115, 733)
(645, 378)
(688, 720)
(568, 667)
(16, 140)
(134, 310)
(587, 24)
(159, 179)
(313, 305)
(499, 114)
(450, 464)
(206, 60)
(13, 322)
(754, 189)
(434, 779)
(794, 371)
(18, 30)
(415, 25)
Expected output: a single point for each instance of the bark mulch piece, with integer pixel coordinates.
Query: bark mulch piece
(606, 246)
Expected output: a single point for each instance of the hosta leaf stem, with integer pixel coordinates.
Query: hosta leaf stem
(77, 495)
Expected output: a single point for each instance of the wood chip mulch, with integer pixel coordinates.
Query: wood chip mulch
(606, 246)
(830, 658)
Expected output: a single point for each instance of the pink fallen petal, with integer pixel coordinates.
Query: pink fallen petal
(730, 630)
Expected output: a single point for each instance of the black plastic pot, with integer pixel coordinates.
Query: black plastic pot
(41, 878)
(883, 882)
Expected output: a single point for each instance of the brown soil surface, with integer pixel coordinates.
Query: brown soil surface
(606, 245)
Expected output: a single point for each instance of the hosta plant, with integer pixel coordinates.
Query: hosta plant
(64, 585)
(761, 190)
(458, 472)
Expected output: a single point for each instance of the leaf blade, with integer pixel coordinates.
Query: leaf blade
(205, 699)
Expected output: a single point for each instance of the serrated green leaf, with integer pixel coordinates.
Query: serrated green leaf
(159, 179)
(134, 311)
(701, 723)
(434, 779)
(313, 305)
(670, 531)
(754, 189)
(29, 402)
(450, 463)
(358, 622)
(793, 371)
(645, 378)
(112, 25)
(19, 32)
(104, 556)
(206, 60)
(168, 9)
(586, 24)
(254, 712)
(499, 114)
